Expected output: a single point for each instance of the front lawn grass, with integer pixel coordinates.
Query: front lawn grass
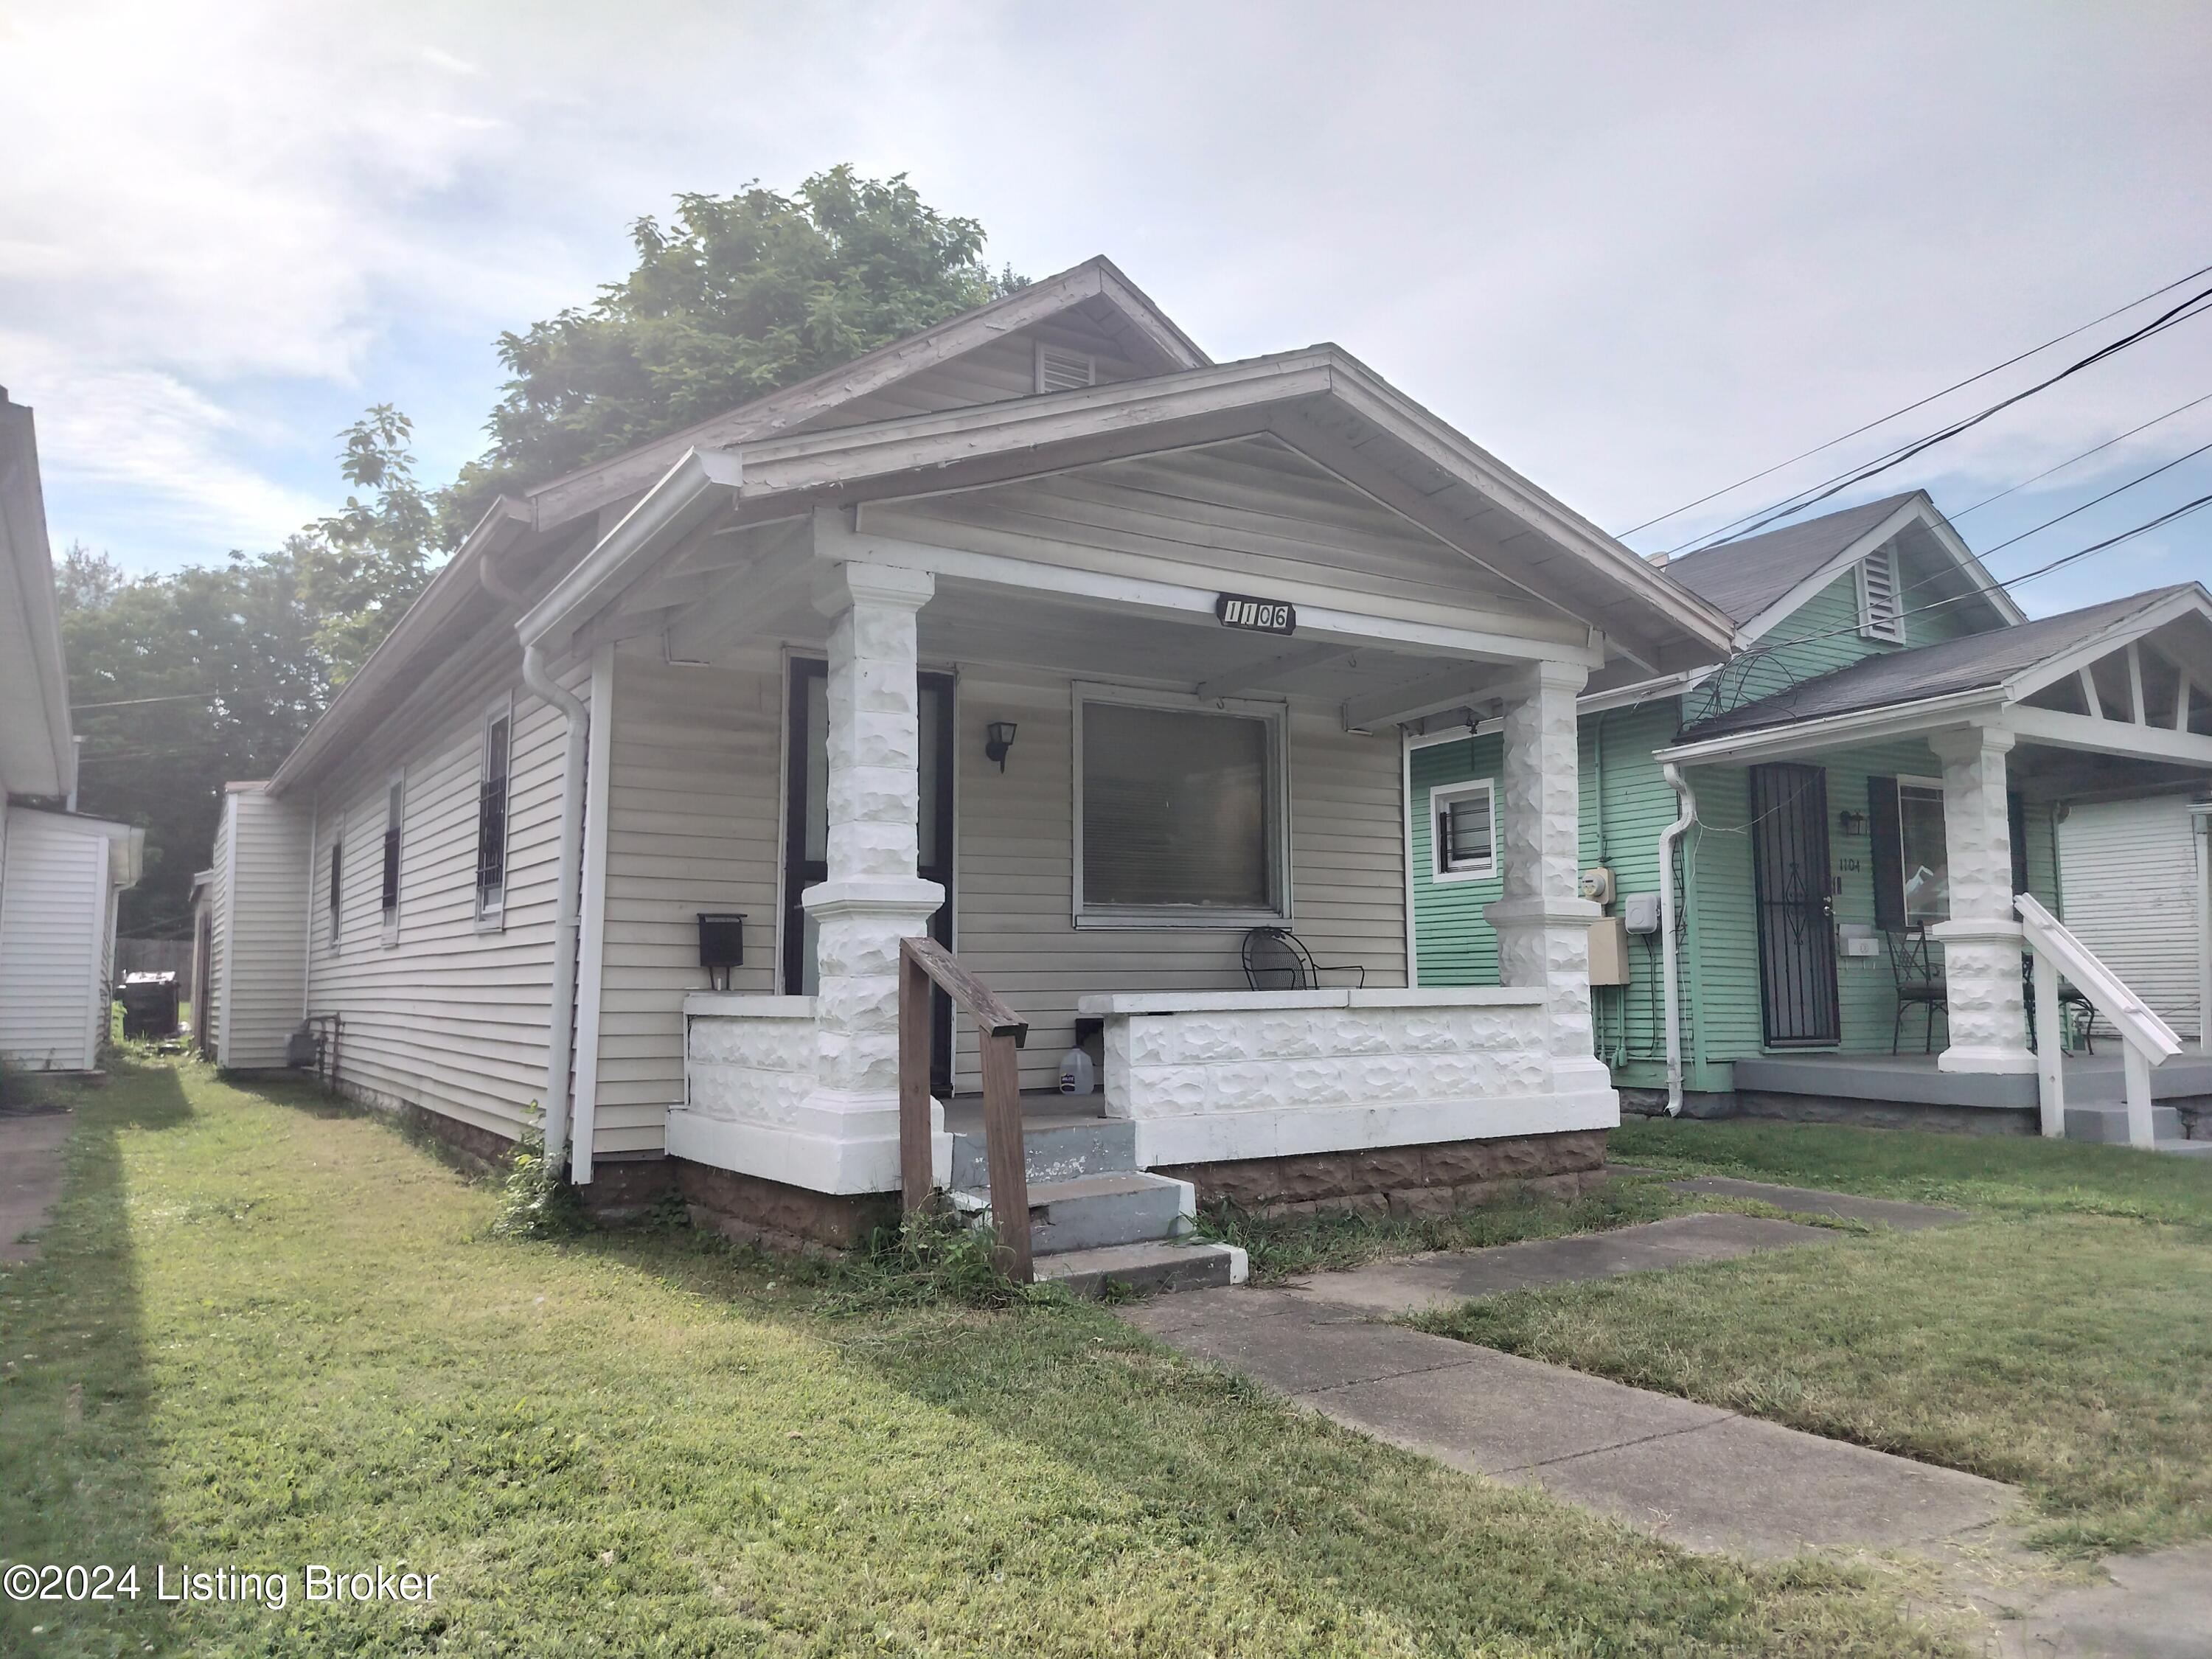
(2061, 1339)
(267, 1334)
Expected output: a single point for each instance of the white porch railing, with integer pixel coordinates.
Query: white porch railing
(2147, 1040)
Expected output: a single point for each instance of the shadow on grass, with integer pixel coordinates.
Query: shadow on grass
(1228, 1472)
(78, 1458)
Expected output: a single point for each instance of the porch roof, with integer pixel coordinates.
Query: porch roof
(2041, 680)
(1319, 402)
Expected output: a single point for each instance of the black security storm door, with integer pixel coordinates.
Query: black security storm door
(1795, 904)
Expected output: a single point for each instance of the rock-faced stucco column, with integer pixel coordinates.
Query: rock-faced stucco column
(1543, 922)
(1982, 940)
(873, 897)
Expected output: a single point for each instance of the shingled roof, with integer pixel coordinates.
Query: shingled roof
(1744, 578)
(1971, 663)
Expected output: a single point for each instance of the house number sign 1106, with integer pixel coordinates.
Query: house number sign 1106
(1260, 616)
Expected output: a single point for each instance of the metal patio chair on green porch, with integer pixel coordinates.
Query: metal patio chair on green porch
(1919, 980)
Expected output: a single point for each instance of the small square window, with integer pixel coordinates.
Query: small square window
(1465, 842)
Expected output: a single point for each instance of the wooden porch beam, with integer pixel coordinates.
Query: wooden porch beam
(1454, 688)
(1272, 668)
(2103, 737)
(2089, 696)
(2134, 683)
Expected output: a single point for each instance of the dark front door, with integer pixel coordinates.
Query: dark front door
(1795, 906)
(806, 830)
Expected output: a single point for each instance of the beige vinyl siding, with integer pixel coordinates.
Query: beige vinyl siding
(1255, 509)
(692, 826)
(268, 852)
(990, 374)
(2129, 871)
(454, 1015)
(1012, 919)
(55, 904)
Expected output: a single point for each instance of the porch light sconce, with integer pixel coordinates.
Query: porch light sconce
(1854, 824)
(722, 946)
(1000, 739)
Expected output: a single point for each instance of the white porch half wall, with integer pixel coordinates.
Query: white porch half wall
(1262, 1075)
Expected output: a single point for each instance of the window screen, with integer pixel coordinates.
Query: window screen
(1176, 809)
(391, 814)
(1925, 863)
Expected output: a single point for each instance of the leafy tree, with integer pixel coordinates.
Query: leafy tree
(741, 295)
(363, 565)
(180, 683)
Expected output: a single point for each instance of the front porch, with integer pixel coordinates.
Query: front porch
(1030, 718)
(1911, 1089)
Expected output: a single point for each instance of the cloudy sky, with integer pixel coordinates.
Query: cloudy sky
(1637, 252)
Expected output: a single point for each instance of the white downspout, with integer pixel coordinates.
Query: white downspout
(1670, 975)
(561, 1055)
(562, 1038)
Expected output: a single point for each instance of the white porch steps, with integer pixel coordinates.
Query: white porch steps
(1094, 1216)
(2110, 1123)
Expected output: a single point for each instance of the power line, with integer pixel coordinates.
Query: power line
(2093, 450)
(2192, 307)
(2093, 500)
(1954, 386)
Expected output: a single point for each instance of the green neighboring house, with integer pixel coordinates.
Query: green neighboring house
(1818, 851)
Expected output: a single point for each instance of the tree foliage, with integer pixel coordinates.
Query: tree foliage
(184, 681)
(180, 683)
(739, 296)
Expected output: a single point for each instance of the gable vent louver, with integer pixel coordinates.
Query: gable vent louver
(1064, 371)
(1881, 611)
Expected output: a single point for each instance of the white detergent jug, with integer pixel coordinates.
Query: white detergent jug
(1075, 1074)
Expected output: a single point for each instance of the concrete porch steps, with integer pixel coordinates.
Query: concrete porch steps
(1094, 1215)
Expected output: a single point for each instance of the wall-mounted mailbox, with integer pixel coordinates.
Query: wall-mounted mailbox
(1856, 939)
(722, 946)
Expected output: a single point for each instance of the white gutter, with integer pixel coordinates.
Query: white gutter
(1671, 974)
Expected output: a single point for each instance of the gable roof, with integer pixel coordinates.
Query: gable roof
(1320, 401)
(1156, 344)
(1973, 662)
(1759, 580)
(1744, 578)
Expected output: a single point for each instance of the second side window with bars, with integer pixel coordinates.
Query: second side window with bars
(1466, 838)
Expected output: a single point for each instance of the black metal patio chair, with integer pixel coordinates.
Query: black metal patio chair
(2077, 1013)
(1276, 959)
(1919, 980)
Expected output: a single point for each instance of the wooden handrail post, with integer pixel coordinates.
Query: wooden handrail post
(1002, 1151)
(916, 1176)
(998, 1032)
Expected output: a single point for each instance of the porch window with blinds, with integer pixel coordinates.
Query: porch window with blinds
(1464, 841)
(1180, 816)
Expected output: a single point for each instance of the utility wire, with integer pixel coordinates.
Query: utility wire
(1765, 646)
(1954, 386)
(1752, 523)
(2095, 449)
(2139, 478)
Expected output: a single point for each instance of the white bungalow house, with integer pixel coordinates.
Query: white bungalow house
(61, 871)
(1041, 633)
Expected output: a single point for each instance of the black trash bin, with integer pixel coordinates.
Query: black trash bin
(149, 1005)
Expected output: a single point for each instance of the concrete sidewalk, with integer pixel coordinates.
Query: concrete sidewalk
(31, 1164)
(1703, 1477)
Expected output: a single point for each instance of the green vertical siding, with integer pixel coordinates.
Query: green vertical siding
(1453, 944)
(1724, 903)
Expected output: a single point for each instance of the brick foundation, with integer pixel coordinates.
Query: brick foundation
(754, 1210)
(1423, 1180)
